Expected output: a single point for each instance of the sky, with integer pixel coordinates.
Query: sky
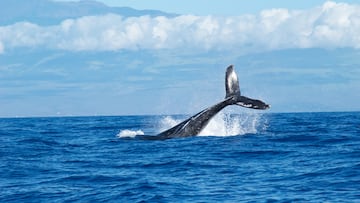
(223, 7)
(298, 56)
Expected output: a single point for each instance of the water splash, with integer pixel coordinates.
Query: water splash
(167, 122)
(223, 124)
(129, 133)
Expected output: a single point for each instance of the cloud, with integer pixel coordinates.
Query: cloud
(331, 25)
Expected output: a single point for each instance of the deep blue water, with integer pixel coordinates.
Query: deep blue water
(302, 157)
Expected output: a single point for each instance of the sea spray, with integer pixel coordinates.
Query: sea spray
(223, 124)
(167, 122)
(226, 124)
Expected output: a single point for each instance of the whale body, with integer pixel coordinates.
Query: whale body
(196, 123)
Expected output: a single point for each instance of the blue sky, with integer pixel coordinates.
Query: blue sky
(297, 56)
(224, 7)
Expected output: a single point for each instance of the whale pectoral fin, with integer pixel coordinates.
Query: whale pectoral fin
(251, 103)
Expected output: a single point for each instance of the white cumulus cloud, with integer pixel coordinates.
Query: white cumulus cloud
(331, 25)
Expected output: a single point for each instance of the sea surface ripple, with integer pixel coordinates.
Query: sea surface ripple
(277, 157)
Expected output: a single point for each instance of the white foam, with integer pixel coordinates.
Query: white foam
(129, 133)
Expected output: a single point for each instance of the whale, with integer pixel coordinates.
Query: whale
(196, 123)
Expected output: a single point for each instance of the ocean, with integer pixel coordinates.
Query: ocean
(247, 157)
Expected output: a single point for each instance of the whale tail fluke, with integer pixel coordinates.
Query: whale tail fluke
(196, 123)
(233, 92)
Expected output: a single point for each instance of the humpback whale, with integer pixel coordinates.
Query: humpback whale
(193, 125)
